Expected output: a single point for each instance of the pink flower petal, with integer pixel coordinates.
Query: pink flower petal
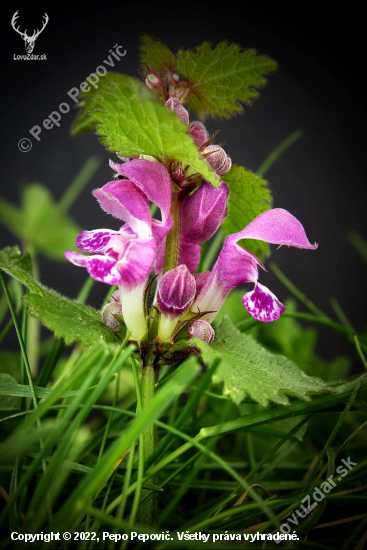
(76, 258)
(125, 260)
(276, 226)
(154, 180)
(236, 265)
(135, 265)
(262, 304)
(103, 269)
(125, 201)
(94, 241)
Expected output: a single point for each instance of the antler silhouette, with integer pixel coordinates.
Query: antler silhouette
(22, 34)
(36, 33)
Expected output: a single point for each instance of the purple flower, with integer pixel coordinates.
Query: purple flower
(120, 257)
(126, 257)
(236, 265)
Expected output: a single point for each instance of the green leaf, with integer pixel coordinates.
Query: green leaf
(19, 267)
(248, 368)
(84, 122)
(11, 217)
(286, 337)
(68, 319)
(155, 56)
(249, 196)
(39, 223)
(45, 227)
(219, 79)
(8, 402)
(133, 125)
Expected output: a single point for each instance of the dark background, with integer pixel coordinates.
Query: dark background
(318, 88)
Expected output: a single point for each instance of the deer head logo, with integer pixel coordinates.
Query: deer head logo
(28, 40)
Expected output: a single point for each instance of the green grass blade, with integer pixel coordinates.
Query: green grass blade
(340, 397)
(163, 398)
(278, 152)
(335, 430)
(51, 362)
(78, 184)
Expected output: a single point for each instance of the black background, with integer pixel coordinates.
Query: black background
(318, 88)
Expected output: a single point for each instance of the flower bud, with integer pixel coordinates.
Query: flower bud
(175, 105)
(177, 172)
(199, 133)
(201, 329)
(176, 293)
(178, 175)
(217, 159)
(225, 168)
(108, 313)
(153, 82)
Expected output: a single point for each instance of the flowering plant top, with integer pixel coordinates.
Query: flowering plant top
(174, 188)
(172, 162)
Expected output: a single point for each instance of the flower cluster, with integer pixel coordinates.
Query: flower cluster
(184, 300)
